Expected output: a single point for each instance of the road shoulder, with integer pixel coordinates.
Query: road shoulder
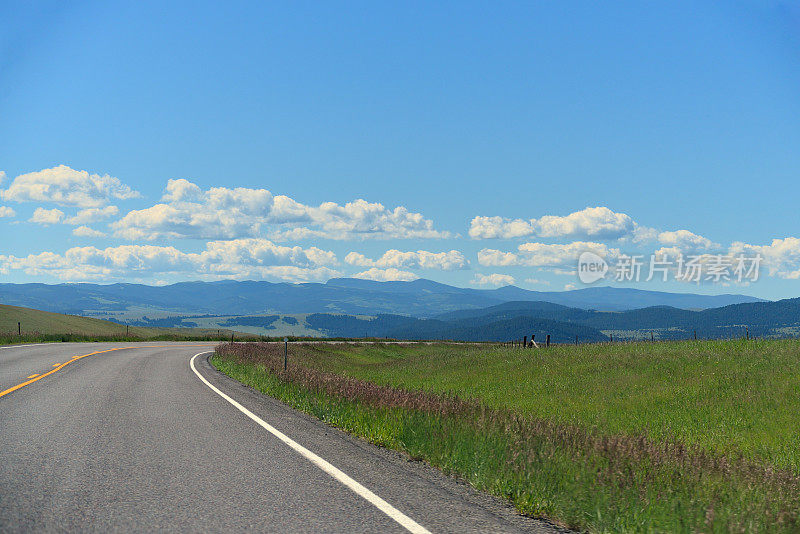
(438, 501)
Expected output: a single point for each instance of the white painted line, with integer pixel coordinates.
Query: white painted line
(405, 521)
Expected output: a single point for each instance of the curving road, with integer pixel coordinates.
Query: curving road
(121, 437)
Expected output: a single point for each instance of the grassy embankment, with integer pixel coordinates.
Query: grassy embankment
(677, 436)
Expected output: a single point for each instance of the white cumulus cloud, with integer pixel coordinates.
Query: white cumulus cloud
(386, 275)
(67, 187)
(187, 211)
(43, 216)
(5, 211)
(92, 215)
(499, 228)
(421, 259)
(85, 231)
(596, 223)
(686, 242)
(781, 257)
(544, 255)
(181, 190)
(246, 258)
(494, 279)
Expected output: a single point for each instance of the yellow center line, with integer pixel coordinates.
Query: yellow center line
(56, 364)
(59, 366)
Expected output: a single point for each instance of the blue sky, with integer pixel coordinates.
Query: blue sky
(491, 126)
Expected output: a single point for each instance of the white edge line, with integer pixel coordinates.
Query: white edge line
(405, 521)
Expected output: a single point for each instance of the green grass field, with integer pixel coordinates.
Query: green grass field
(675, 436)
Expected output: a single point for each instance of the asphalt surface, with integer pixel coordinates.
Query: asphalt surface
(133, 440)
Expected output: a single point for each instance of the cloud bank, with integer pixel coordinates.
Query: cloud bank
(243, 258)
(67, 187)
(187, 211)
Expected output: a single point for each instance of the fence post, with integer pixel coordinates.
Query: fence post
(576, 339)
(285, 352)
(695, 335)
(611, 337)
(524, 342)
(547, 341)
(231, 337)
(19, 329)
(747, 332)
(652, 339)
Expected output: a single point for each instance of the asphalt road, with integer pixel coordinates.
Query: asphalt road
(134, 440)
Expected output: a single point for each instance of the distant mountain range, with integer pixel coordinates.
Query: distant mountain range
(513, 320)
(763, 319)
(358, 308)
(420, 298)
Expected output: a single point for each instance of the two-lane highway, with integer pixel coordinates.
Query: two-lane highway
(131, 437)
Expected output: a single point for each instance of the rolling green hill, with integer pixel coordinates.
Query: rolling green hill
(41, 323)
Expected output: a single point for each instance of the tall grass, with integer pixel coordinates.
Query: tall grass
(581, 475)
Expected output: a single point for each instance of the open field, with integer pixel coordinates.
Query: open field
(676, 436)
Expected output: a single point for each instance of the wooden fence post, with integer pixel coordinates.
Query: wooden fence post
(547, 341)
(524, 342)
(19, 329)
